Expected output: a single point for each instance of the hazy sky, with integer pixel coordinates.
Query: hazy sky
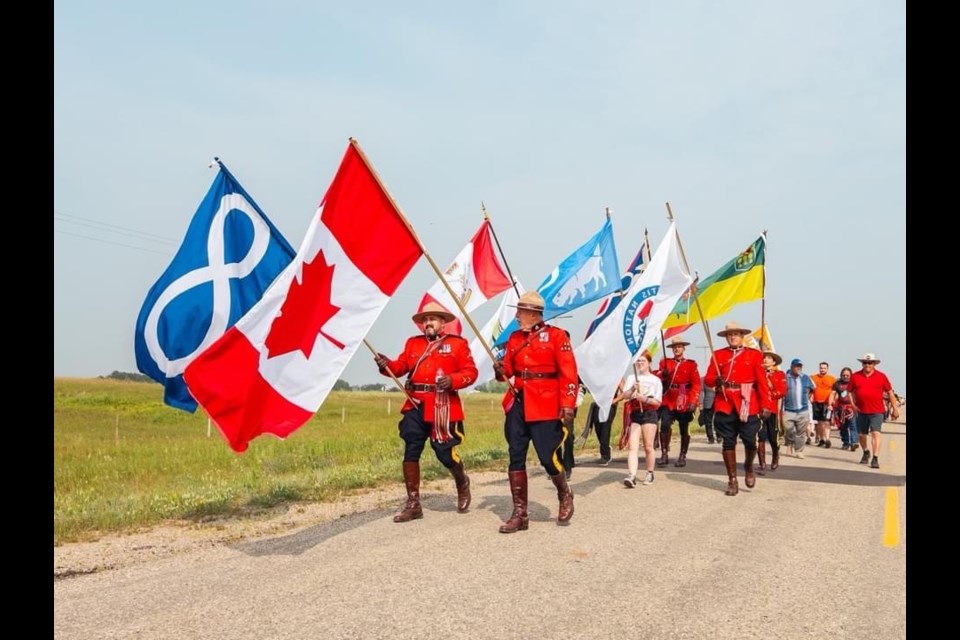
(744, 116)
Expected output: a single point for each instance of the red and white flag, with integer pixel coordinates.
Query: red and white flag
(475, 276)
(274, 368)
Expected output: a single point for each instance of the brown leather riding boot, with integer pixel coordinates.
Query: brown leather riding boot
(730, 462)
(749, 478)
(463, 486)
(565, 496)
(762, 458)
(518, 520)
(665, 448)
(684, 445)
(412, 509)
(775, 462)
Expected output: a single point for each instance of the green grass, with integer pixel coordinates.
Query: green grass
(123, 460)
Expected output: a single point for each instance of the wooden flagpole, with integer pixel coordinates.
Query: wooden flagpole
(696, 299)
(393, 377)
(493, 232)
(763, 300)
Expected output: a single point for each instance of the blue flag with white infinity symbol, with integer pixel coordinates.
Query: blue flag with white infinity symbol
(589, 273)
(229, 256)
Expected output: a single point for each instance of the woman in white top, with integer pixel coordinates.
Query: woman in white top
(643, 392)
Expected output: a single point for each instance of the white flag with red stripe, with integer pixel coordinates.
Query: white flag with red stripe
(475, 275)
(274, 368)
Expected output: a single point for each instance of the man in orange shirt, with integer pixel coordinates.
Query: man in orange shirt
(823, 386)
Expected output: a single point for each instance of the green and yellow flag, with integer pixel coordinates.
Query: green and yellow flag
(740, 280)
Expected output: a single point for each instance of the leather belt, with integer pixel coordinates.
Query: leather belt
(422, 387)
(732, 385)
(534, 375)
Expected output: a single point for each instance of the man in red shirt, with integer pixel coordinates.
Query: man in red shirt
(867, 387)
(438, 364)
(540, 405)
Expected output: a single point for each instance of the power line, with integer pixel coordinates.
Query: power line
(112, 228)
(118, 244)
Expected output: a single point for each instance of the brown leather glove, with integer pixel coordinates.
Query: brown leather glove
(566, 417)
(498, 369)
(381, 360)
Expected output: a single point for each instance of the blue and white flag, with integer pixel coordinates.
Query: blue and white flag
(606, 308)
(589, 273)
(229, 256)
(603, 358)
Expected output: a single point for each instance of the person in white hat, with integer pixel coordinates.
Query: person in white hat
(736, 373)
(539, 407)
(436, 365)
(681, 397)
(867, 387)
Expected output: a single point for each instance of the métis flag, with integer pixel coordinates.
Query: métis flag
(603, 358)
(229, 256)
(610, 303)
(475, 275)
(271, 372)
(589, 273)
(740, 280)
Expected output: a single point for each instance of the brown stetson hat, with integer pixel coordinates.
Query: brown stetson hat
(433, 309)
(531, 301)
(776, 357)
(733, 327)
(677, 341)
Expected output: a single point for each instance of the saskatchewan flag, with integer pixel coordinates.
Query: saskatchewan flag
(740, 280)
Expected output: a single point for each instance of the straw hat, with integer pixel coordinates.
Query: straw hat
(776, 357)
(433, 309)
(531, 301)
(733, 327)
(677, 341)
(869, 357)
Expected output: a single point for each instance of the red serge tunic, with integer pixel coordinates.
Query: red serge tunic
(422, 359)
(777, 383)
(743, 366)
(542, 365)
(681, 383)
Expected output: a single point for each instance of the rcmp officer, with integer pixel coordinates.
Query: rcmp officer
(681, 396)
(540, 407)
(436, 364)
(737, 374)
(769, 425)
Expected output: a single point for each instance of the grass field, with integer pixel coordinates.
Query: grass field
(123, 460)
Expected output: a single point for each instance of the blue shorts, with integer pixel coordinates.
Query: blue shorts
(867, 422)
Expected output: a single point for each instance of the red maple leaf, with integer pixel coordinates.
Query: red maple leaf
(304, 312)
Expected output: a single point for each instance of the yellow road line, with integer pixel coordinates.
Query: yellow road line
(891, 519)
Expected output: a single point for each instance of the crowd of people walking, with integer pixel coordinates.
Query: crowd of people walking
(743, 398)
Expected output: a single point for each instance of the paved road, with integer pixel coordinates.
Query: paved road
(816, 550)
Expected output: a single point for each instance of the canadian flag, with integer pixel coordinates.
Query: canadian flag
(272, 370)
(475, 276)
